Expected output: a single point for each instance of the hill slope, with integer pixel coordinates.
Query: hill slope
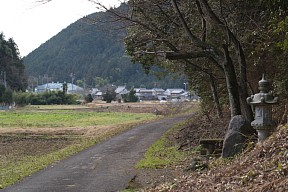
(262, 168)
(90, 50)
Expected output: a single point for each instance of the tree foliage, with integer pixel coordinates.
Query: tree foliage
(12, 72)
(109, 95)
(88, 98)
(46, 98)
(6, 96)
(222, 46)
(131, 96)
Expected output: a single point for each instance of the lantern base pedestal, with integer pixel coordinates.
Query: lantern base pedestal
(263, 134)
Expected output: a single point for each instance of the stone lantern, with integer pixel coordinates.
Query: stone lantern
(262, 103)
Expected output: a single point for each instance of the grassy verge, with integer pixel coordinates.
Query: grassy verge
(163, 152)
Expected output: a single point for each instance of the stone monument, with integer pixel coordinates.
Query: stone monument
(262, 103)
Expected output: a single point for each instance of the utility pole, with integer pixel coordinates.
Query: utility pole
(72, 75)
(185, 86)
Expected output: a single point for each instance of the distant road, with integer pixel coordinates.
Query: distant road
(107, 166)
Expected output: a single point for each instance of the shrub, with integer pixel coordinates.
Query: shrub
(130, 97)
(109, 96)
(46, 98)
(21, 98)
(88, 98)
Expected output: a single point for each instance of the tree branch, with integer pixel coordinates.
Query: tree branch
(187, 55)
(205, 46)
(240, 55)
(204, 23)
(194, 39)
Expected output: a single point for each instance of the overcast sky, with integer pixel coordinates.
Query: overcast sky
(30, 24)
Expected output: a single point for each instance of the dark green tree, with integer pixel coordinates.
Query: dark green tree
(22, 98)
(131, 96)
(88, 98)
(80, 83)
(2, 92)
(109, 95)
(65, 88)
(101, 82)
(8, 97)
(12, 69)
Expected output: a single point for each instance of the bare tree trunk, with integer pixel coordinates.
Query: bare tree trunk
(215, 95)
(232, 85)
(243, 87)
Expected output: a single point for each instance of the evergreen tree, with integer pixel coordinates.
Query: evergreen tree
(131, 96)
(88, 98)
(2, 92)
(65, 88)
(11, 65)
(109, 95)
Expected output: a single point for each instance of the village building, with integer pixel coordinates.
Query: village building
(96, 94)
(71, 88)
(174, 93)
(120, 91)
(144, 94)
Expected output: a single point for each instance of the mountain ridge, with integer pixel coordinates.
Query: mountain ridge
(88, 51)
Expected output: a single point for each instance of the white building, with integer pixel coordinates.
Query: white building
(71, 88)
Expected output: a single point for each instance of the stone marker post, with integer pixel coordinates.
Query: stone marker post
(262, 103)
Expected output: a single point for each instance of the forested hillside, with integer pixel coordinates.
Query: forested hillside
(90, 50)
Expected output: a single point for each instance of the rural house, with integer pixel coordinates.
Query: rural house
(174, 93)
(71, 88)
(145, 94)
(120, 91)
(96, 94)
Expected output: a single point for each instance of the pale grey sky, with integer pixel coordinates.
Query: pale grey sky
(30, 24)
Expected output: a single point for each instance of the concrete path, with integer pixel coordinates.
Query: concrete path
(107, 166)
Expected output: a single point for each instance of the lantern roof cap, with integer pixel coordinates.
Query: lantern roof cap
(263, 97)
(263, 85)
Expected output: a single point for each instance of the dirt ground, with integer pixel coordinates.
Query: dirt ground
(142, 107)
(22, 142)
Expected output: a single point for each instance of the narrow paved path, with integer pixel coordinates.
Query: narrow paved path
(107, 166)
